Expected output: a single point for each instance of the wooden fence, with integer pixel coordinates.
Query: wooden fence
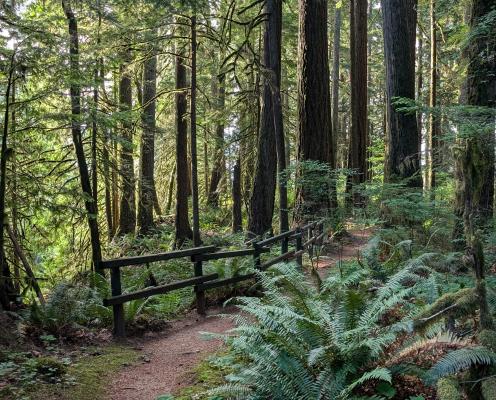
(305, 239)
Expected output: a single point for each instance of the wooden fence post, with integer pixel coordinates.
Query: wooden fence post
(299, 246)
(201, 306)
(118, 309)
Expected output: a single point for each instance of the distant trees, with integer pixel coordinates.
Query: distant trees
(402, 144)
(127, 209)
(147, 194)
(219, 165)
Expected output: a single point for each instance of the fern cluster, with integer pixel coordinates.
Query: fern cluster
(320, 344)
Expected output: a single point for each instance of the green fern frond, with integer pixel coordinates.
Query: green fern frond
(381, 374)
(460, 360)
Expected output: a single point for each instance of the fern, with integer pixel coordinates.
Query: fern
(300, 344)
(460, 360)
(382, 374)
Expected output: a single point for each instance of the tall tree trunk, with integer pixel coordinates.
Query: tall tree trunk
(127, 217)
(402, 155)
(193, 144)
(77, 139)
(108, 187)
(263, 194)
(7, 289)
(183, 229)
(474, 153)
(170, 190)
(115, 188)
(237, 218)
(251, 123)
(433, 132)
(475, 158)
(335, 79)
(219, 166)
(147, 159)
(314, 123)
(358, 139)
(420, 85)
(94, 137)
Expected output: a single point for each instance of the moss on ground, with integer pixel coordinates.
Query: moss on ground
(207, 375)
(88, 374)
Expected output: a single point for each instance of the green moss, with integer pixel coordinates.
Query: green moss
(489, 389)
(458, 304)
(87, 374)
(207, 375)
(487, 338)
(48, 367)
(448, 389)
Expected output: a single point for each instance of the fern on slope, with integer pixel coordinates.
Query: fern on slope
(301, 347)
(460, 360)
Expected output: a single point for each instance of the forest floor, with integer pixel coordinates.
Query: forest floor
(169, 359)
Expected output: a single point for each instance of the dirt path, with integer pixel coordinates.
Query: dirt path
(167, 360)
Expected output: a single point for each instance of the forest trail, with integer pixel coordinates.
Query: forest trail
(168, 361)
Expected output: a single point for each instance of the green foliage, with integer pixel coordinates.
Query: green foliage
(71, 305)
(460, 360)
(87, 374)
(462, 303)
(489, 388)
(487, 338)
(448, 389)
(307, 344)
(19, 372)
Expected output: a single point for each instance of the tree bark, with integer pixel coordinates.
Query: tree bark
(183, 229)
(170, 190)
(127, 217)
(237, 218)
(263, 194)
(474, 151)
(7, 288)
(75, 93)
(27, 267)
(402, 153)
(335, 80)
(314, 124)
(420, 84)
(193, 145)
(358, 139)
(147, 159)
(219, 166)
(434, 125)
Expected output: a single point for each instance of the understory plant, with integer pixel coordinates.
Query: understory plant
(357, 334)
(321, 343)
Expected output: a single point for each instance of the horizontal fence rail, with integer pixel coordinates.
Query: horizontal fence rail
(305, 239)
